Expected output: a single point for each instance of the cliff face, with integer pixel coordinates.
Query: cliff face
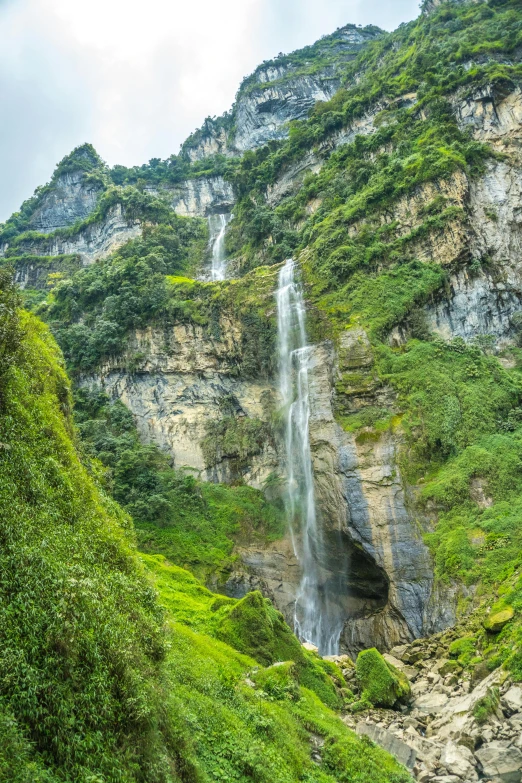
(202, 197)
(185, 379)
(71, 200)
(278, 92)
(176, 388)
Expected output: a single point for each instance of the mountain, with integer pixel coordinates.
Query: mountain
(388, 166)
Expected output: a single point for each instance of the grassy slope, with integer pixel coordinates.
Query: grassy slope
(249, 723)
(92, 688)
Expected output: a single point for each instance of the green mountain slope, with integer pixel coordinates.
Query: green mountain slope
(93, 686)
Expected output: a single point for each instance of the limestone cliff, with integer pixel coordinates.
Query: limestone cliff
(185, 377)
(279, 91)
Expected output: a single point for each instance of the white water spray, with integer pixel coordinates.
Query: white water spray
(317, 619)
(218, 226)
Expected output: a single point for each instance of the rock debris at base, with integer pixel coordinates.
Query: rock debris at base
(437, 735)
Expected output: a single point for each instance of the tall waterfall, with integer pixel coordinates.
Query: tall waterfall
(218, 226)
(317, 618)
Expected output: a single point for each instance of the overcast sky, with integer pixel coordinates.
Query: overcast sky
(135, 77)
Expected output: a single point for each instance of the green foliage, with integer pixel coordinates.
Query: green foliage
(91, 689)
(249, 723)
(382, 685)
(486, 706)
(194, 524)
(454, 394)
(463, 649)
(256, 629)
(10, 330)
(92, 312)
(81, 640)
(18, 763)
(236, 439)
(279, 682)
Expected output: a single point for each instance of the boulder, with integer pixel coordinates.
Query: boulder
(513, 698)
(501, 761)
(495, 622)
(409, 671)
(459, 761)
(385, 739)
(431, 703)
(381, 684)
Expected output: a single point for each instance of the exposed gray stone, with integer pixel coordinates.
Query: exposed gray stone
(513, 698)
(71, 199)
(501, 761)
(403, 753)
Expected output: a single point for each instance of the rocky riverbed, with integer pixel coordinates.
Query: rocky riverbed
(457, 728)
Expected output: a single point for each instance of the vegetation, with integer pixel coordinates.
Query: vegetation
(486, 706)
(81, 689)
(382, 685)
(247, 722)
(193, 523)
(93, 686)
(93, 670)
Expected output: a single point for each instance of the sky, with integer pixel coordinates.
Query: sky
(136, 77)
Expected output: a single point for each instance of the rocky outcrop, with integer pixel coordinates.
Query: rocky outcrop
(484, 298)
(475, 307)
(278, 92)
(441, 736)
(175, 382)
(492, 113)
(70, 199)
(95, 241)
(203, 197)
(264, 113)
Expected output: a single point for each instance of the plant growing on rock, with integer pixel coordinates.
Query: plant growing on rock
(381, 684)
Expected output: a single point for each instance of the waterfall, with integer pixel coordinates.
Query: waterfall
(218, 226)
(317, 618)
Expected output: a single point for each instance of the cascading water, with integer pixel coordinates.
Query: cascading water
(317, 618)
(218, 226)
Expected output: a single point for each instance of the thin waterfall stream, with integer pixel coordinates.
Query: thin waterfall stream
(218, 226)
(317, 619)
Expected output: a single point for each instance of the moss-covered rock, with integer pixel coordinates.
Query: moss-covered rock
(495, 622)
(254, 627)
(450, 667)
(381, 683)
(280, 681)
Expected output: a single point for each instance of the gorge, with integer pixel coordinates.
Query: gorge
(261, 431)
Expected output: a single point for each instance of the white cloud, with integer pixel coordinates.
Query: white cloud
(134, 77)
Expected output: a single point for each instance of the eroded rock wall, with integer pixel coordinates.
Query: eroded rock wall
(174, 380)
(71, 199)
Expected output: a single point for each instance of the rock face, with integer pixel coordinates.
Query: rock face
(359, 493)
(264, 113)
(71, 199)
(175, 380)
(492, 113)
(278, 92)
(95, 241)
(193, 198)
(202, 197)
